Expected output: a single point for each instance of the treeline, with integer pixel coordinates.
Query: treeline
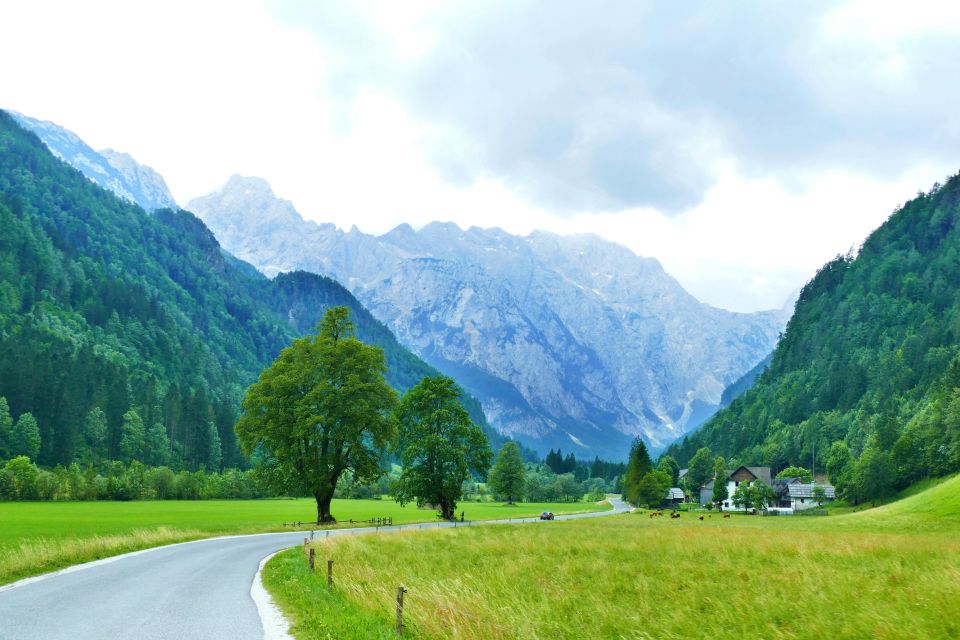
(513, 479)
(20, 479)
(557, 463)
(866, 378)
(107, 310)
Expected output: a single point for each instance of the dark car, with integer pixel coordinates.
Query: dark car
(546, 515)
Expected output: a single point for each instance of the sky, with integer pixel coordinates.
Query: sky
(743, 144)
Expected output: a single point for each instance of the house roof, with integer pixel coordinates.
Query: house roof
(799, 490)
(683, 472)
(673, 493)
(762, 473)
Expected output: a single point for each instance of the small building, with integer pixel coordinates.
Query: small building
(674, 497)
(734, 478)
(792, 494)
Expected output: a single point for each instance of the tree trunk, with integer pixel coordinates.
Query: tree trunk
(446, 510)
(323, 508)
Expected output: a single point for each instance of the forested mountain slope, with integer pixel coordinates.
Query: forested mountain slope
(867, 372)
(103, 306)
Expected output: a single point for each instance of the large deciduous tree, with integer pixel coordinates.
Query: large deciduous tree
(439, 446)
(652, 490)
(668, 465)
(322, 408)
(507, 475)
(700, 469)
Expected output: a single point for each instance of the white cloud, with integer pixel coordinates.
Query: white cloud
(380, 113)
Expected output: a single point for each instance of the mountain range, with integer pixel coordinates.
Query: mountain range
(568, 341)
(571, 342)
(107, 310)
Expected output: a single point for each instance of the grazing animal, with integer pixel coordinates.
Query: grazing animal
(726, 515)
(674, 515)
(701, 517)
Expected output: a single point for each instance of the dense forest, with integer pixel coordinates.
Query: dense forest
(866, 377)
(132, 336)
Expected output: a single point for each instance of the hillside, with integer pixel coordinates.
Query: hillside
(568, 341)
(867, 373)
(103, 306)
(115, 171)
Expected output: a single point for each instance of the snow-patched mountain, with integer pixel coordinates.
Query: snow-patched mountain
(569, 341)
(110, 169)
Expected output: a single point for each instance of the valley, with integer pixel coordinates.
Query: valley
(889, 572)
(479, 321)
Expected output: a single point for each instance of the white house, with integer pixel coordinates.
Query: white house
(734, 479)
(795, 495)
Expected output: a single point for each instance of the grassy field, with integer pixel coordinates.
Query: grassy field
(891, 572)
(36, 537)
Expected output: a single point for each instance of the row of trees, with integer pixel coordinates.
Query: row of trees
(323, 409)
(511, 480)
(135, 440)
(20, 479)
(557, 463)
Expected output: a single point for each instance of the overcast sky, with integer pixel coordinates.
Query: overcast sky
(742, 144)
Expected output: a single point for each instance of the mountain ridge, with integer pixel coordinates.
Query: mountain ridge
(479, 301)
(105, 306)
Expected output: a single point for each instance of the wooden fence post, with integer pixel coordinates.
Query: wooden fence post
(304, 545)
(312, 554)
(329, 574)
(400, 592)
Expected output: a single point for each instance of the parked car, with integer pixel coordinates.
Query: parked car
(546, 515)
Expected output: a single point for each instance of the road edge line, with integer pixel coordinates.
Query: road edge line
(274, 623)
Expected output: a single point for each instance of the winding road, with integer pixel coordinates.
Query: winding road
(193, 590)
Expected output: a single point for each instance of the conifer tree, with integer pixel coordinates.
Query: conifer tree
(6, 430)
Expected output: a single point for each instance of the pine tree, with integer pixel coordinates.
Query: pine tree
(6, 430)
(132, 436)
(638, 466)
(157, 445)
(214, 448)
(95, 435)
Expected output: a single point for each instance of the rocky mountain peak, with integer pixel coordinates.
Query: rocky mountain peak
(569, 341)
(115, 171)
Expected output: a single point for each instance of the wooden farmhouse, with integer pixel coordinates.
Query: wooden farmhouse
(734, 479)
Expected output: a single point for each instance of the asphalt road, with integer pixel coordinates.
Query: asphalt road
(197, 590)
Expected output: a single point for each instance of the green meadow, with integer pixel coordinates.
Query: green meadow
(36, 537)
(889, 572)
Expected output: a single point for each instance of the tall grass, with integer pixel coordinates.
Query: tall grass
(36, 537)
(632, 576)
(31, 557)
